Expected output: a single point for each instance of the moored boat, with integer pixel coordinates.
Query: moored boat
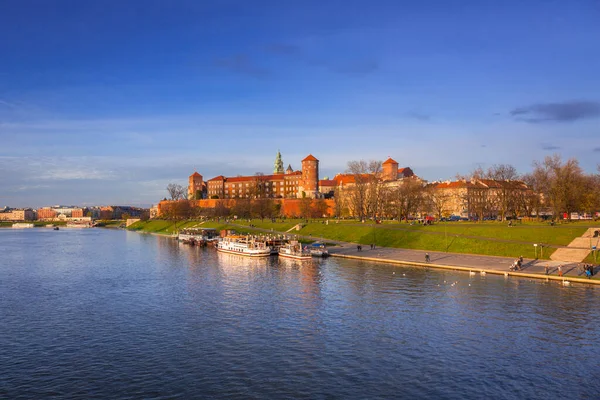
(244, 245)
(198, 236)
(318, 250)
(294, 250)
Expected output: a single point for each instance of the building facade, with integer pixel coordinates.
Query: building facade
(23, 214)
(288, 184)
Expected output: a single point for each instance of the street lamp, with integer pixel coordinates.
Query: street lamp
(446, 233)
(535, 250)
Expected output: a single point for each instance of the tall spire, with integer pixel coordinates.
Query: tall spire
(278, 164)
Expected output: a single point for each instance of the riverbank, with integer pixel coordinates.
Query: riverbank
(473, 263)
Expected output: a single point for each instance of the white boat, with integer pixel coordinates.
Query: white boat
(244, 245)
(318, 250)
(294, 250)
(19, 225)
(199, 236)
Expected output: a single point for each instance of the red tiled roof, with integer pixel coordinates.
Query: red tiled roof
(349, 178)
(310, 157)
(196, 174)
(390, 161)
(327, 182)
(459, 184)
(217, 178)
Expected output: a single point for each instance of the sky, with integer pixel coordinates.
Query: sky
(107, 102)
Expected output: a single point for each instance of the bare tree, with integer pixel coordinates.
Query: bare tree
(365, 194)
(320, 208)
(562, 184)
(263, 208)
(505, 191)
(407, 198)
(339, 203)
(438, 200)
(306, 208)
(176, 191)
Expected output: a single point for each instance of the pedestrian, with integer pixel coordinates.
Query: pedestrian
(547, 269)
(358, 247)
(560, 270)
(427, 259)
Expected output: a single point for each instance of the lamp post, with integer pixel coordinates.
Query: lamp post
(446, 233)
(535, 250)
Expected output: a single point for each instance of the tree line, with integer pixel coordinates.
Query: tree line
(246, 208)
(554, 186)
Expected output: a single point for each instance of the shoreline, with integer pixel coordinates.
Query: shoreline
(466, 262)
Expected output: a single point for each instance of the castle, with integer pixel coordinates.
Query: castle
(280, 184)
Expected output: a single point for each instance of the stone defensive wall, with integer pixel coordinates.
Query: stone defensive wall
(289, 207)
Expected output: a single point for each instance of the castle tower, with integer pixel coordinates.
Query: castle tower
(310, 177)
(195, 187)
(289, 169)
(390, 170)
(278, 164)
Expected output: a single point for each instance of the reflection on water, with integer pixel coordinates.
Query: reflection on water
(91, 313)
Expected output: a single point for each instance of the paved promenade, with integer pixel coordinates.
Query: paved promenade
(465, 262)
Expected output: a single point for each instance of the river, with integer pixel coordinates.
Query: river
(98, 313)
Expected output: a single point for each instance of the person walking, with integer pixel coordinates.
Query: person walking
(547, 269)
(560, 273)
(427, 258)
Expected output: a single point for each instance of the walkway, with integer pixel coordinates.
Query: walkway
(578, 249)
(465, 262)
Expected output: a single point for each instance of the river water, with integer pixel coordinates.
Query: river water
(97, 313)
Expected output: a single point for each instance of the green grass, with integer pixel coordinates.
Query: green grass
(418, 240)
(526, 232)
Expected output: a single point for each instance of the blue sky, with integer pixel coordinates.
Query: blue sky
(106, 102)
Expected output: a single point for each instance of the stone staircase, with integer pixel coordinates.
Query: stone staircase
(578, 249)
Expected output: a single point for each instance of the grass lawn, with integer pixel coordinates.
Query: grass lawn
(416, 239)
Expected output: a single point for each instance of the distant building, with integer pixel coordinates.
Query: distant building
(22, 214)
(288, 184)
(46, 213)
(480, 198)
(118, 212)
(196, 187)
